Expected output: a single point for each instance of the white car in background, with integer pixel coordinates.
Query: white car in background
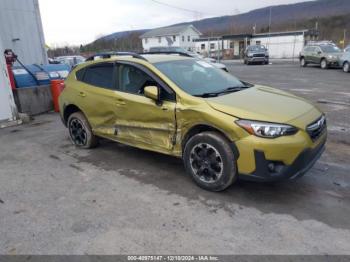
(180, 50)
(71, 61)
(209, 60)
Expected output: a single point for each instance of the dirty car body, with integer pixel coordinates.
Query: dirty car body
(222, 128)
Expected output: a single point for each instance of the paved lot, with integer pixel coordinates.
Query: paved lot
(56, 199)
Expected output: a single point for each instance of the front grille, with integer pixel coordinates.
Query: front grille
(258, 55)
(316, 128)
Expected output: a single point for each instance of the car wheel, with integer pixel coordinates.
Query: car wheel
(267, 62)
(324, 64)
(210, 161)
(303, 62)
(346, 67)
(80, 131)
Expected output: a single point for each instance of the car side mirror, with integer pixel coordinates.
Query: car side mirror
(152, 92)
(319, 52)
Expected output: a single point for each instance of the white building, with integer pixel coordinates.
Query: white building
(21, 30)
(179, 36)
(280, 44)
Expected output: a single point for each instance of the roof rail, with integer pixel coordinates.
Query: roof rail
(110, 54)
(320, 43)
(166, 53)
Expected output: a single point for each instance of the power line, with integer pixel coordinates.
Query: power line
(183, 9)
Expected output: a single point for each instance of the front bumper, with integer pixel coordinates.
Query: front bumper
(257, 59)
(303, 163)
(333, 64)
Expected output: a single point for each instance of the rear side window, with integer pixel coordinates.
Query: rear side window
(80, 74)
(100, 75)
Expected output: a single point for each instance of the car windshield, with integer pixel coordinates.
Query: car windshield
(199, 78)
(256, 48)
(330, 49)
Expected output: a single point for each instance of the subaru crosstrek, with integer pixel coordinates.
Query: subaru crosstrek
(221, 127)
(324, 54)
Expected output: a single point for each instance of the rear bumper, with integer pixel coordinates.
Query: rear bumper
(303, 163)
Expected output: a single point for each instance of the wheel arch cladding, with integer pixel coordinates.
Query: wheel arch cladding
(68, 110)
(200, 128)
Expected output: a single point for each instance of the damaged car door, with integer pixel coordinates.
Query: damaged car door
(97, 97)
(142, 121)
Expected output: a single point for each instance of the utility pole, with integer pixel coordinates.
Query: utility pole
(344, 39)
(270, 18)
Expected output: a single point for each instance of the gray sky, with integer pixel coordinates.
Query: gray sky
(82, 21)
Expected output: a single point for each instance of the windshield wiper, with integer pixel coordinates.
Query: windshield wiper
(224, 91)
(214, 94)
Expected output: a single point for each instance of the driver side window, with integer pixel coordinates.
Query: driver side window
(133, 80)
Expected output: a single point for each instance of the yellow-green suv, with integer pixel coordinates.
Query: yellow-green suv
(221, 127)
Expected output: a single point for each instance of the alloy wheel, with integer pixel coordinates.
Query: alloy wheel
(77, 132)
(346, 67)
(206, 163)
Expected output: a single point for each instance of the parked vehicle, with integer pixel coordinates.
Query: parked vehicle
(174, 49)
(221, 127)
(325, 54)
(344, 61)
(256, 54)
(347, 49)
(71, 61)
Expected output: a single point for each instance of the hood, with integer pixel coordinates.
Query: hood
(265, 104)
(257, 52)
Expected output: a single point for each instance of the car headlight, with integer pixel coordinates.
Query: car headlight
(266, 130)
(330, 56)
(250, 55)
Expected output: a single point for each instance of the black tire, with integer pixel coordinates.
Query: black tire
(267, 62)
(324, 64)
(303, 62)
(210, 161)
(346, 67)
(80, 131)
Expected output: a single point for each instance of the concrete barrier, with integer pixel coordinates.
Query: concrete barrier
(33, 100)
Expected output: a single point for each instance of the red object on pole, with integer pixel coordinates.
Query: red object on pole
(10, 57)
(11, 77)
(57, 87)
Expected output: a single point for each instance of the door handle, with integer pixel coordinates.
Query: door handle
(165, 108)
(120, 102)
(82, 94)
